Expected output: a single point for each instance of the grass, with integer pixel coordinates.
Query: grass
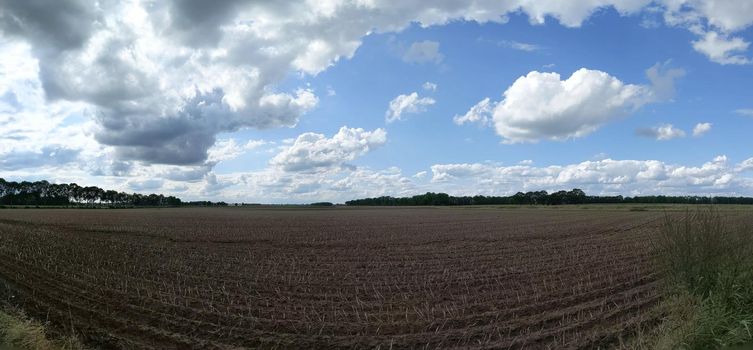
(21, 333)
(709, 265)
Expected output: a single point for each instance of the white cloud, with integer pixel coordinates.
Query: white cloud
(426, 51)
(543, 106)
(701, 128)
(722, 49)
(429, 86)
(410, 103)
(745, 165)
(227, 149)
(726, 15)
(607, 176)
(315, 152)
(662, 133)
(600, 177)
(480, 113)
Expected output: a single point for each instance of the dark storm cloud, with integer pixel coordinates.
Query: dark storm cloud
(197, 22)
(180, 139)
(57, 25)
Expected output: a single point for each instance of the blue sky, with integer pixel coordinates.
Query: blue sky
(335, 100)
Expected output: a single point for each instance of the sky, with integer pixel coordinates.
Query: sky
(302, 101)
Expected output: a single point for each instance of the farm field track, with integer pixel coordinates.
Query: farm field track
(466, 278)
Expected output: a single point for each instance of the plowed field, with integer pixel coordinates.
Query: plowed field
(470, 278)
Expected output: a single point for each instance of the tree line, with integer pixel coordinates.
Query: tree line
(46, 193)
(574, 196)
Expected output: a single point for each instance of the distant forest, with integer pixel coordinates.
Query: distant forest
(44, 193)
(37, 193)
(575, 196)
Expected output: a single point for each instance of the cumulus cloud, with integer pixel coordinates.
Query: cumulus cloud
(313, 152)
(607, 176)
(722, 49)
(543, 106)
(662, 132)
(701, 129)
(426, 51)
(404, 104)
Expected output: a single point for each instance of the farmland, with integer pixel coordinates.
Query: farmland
(469, 278)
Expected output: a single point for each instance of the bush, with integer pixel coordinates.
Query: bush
(709, 266)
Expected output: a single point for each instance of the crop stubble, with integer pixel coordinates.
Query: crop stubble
(470, 278)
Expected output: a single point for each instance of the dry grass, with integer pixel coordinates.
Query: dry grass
(20, 332)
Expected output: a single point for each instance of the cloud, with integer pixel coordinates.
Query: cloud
(49, 156)
(745, 165)
(662, 132)
(714, 22)
(410, 103)
(315, 152)
(426, 51)
(186, 174)
(604, 177)
(722, 49)
(429, 86)
(747, 112)
(662, 78)
(163, 87)
(543, 106)
(227, 149)
(512, 44)
(145, 185)
(725, 15)
(701, 129)
(607, 176)
(480, 113)
(61, 25)
(213, 185)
